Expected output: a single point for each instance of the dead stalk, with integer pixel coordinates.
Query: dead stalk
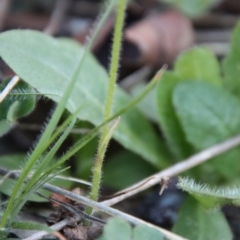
(155, 179)
(57, 17)
(176, 169)
(9, 87)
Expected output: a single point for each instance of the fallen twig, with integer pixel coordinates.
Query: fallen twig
(219, 49)
(176, 169)
(9, 87)
(135, 78)
(55, 227)
(216, 20)
(155, 179)
(57, 17)
(115, 213)
(93, 204)
(4, 7)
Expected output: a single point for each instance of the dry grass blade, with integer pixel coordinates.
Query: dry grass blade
(155, 179)
(175, 169)
(74, 210)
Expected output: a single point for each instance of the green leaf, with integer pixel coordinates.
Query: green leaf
(124, 169)
(46, 64)
(195, 64)
(31, 226)
(207, 196)
(200, 64)
(5, 127)
(148, 106)
(15, 162)
(42, 171)
(231, 64)
(14, 107)
(192, 7)
(120, 229)
(216, 112)
(208, 119)
(196, 223)
(143, 232)
(167, 117)
(102, 238)
(117, 229)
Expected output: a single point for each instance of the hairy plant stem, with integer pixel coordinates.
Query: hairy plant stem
(42, 145)
(102, 146)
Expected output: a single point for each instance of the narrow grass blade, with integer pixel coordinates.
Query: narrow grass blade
(31, 226)
(42, 144)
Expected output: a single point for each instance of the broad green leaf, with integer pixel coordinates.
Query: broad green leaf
(148, 106)
(102, 238)
(143, 232)
(195, 64)
(124, 169)
(5, 126)
(120, 229)
(231, 64)
(196, 223)
(117, 229)
(200, 64)
(210, 197)
(193, 8)
(47, 63)
(15, 162)
(14, 107)
(206, 113)
(169, 122)
(209, 115)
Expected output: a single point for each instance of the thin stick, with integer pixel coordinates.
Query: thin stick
(115, 213)
(129, 218)
(93, 204)
(74, 210)
(9, 87)
(57, 17)
(55, 227)
(38, 127)
(219, 49)
(137, 77)
(76, 180)
(171, 171)
(7, 175)
(216, 20)
(221, 36)
(4, 7)
(60, 225)
(176, 169)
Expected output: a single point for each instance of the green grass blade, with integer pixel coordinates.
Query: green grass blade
(43, 165)
(115, 55)
(31, 226)
(42, 144)
(46, 160)
(25, 196)
(85, 139)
